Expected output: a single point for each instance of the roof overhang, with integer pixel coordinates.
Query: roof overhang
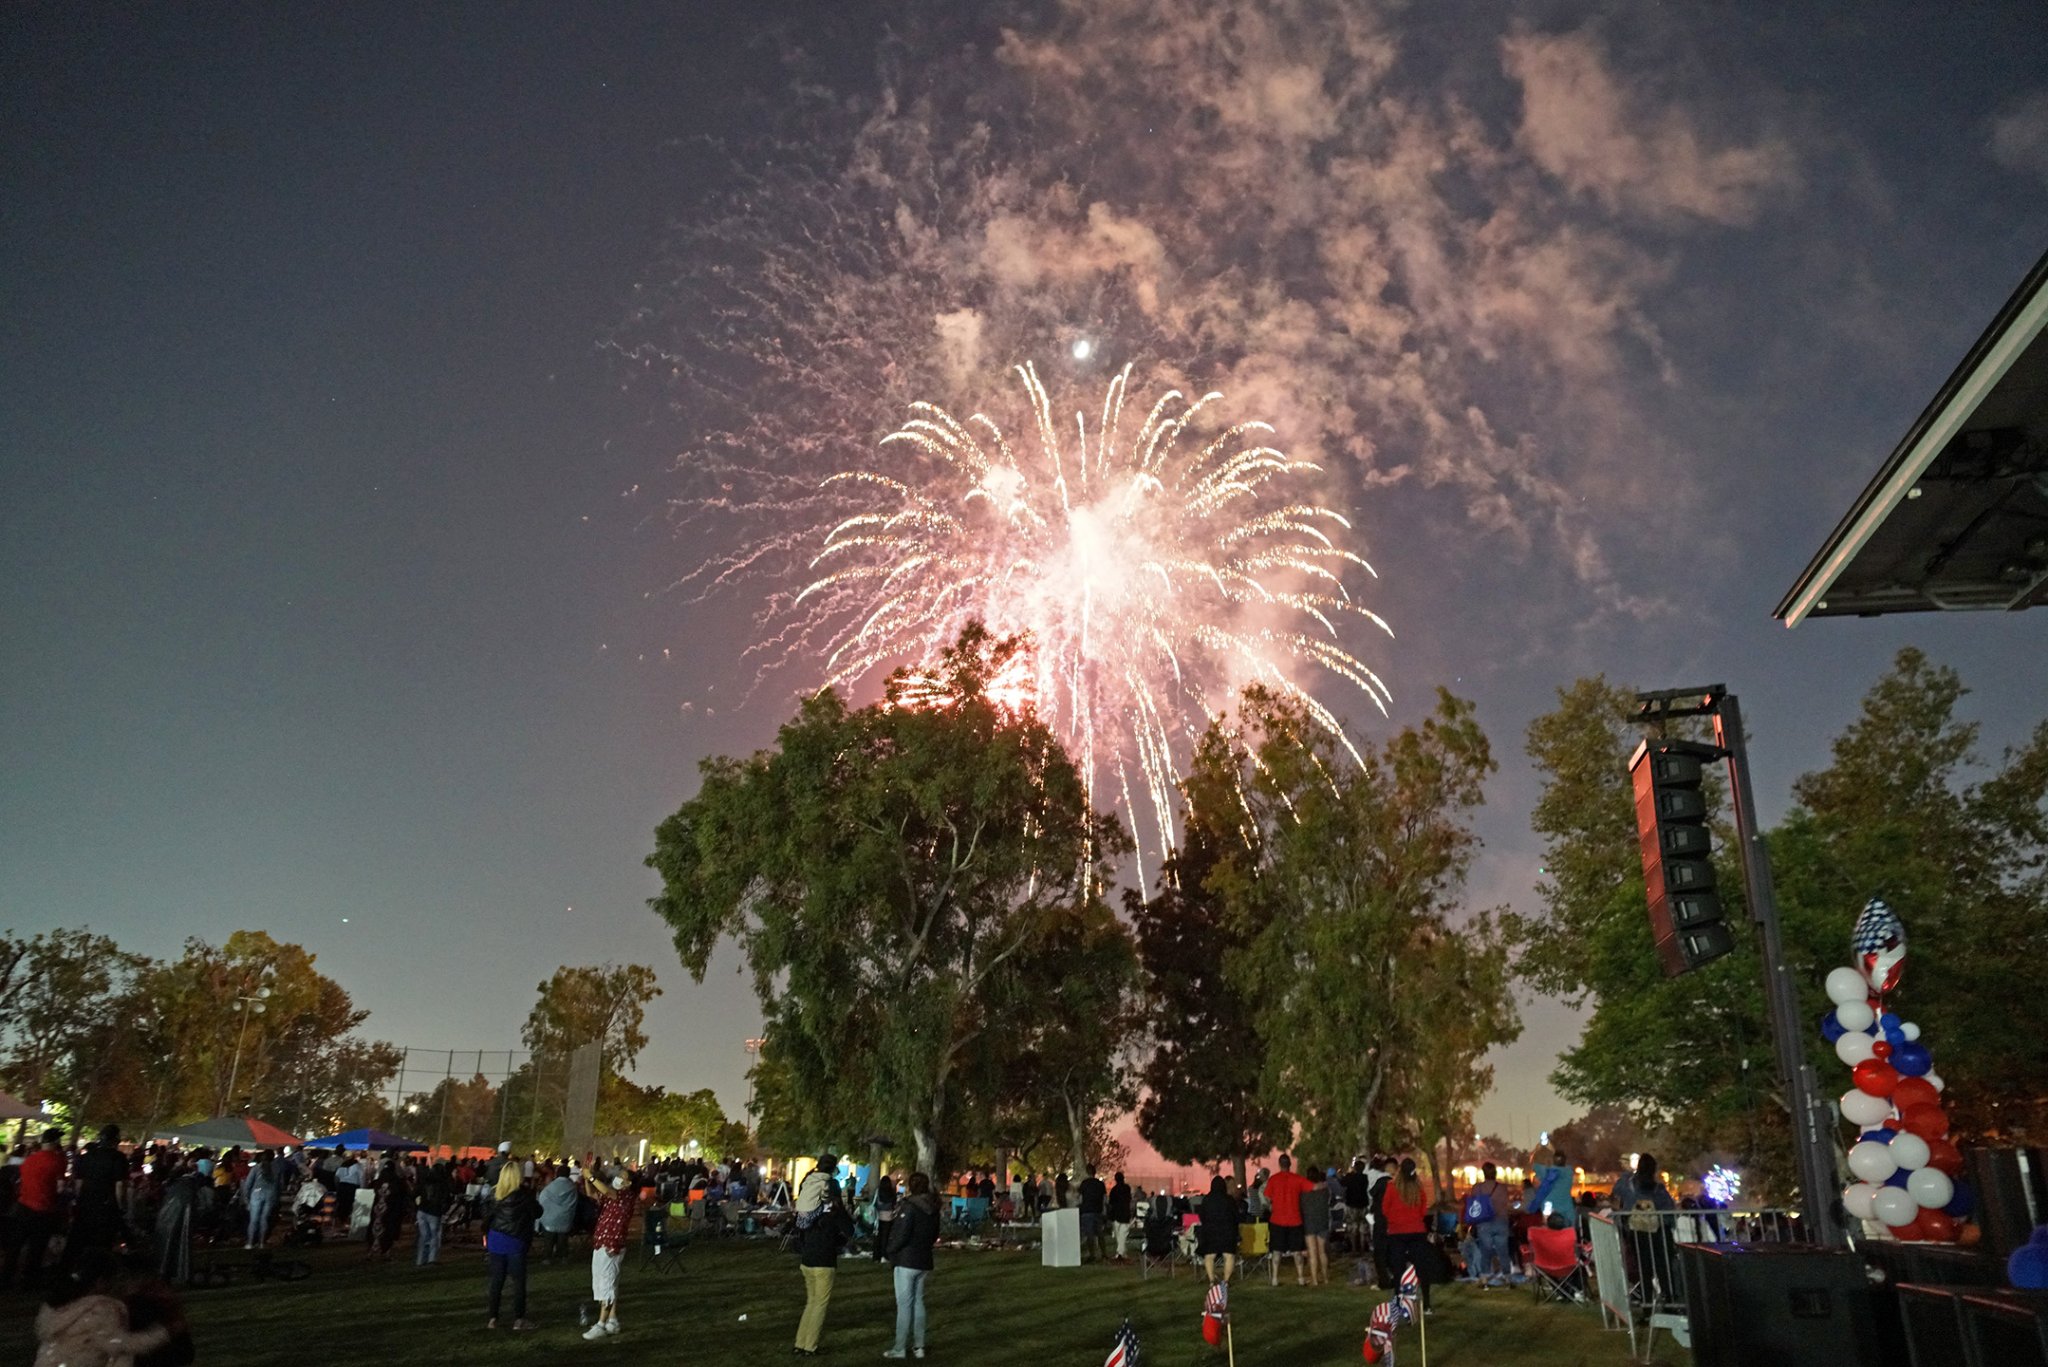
(1957, 519)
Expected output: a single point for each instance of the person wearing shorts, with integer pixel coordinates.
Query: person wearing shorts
(608, 1250)
(1289, 1239)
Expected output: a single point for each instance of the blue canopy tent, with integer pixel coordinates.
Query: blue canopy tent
(366, 1139)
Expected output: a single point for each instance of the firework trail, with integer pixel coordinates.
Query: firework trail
(1153, 567)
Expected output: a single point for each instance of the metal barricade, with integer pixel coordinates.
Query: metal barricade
(1639, 1278)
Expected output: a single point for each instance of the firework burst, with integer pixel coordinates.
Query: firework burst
(1153, 569)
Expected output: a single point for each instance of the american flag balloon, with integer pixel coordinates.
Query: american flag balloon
(1879, 943)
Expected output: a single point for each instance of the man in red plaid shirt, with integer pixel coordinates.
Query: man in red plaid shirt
(615, 1205)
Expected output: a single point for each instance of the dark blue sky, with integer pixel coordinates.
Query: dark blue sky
(324, 593)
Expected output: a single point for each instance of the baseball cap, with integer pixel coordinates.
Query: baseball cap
(505, 1146)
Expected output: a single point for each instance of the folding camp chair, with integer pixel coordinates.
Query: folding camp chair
(659, 1250)
(1161, 1247)
(1254, 1248)
(1554, 1260)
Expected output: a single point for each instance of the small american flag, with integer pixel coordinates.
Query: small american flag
(1411, 1283)
(1219, 1301)
(1125, 1352)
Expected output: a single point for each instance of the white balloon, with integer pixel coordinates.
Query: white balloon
(1909, 1151)
(1895, 1207)
(1931, 1188)
(1855, 1015)
(1855, 1047)
(1863, 1110)
(1909, 1030)
(1934, 1081)
(1857, 1198)
(1872, 1162)
(1847, 985)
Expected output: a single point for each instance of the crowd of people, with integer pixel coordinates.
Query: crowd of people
(157, 1202)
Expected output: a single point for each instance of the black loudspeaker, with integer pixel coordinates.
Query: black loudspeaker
(1783, 1305)
(2012, 1196)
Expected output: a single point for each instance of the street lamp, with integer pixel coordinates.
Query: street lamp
(249, 1005)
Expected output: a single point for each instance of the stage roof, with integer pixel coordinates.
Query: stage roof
(1957, 518)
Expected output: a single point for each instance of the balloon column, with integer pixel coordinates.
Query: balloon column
(1906, 1169)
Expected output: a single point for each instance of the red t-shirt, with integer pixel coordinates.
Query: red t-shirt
(1401, 1217)
(613, 1215)
(1283, 1192)
(41, 1171)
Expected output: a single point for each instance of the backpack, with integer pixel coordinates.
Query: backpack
(1478, 1207)
(1645, 1221)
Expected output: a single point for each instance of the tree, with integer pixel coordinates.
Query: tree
(1906, 810)
(1346, 881)
(297, 1061)
(1201, 1080)
(882, 870)
(1601, 1140)
(63, 989)
(604, 1005)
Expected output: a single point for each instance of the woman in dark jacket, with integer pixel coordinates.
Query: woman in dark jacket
(506, 1240)
(1216, 1236)
(915, 1230)
(821, 1240)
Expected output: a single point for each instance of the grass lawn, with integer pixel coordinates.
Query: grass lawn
(737, 1303)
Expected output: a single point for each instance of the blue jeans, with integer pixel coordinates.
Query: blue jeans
(427, 1239)
(1493, 1250)
(261, 1206)
(910, 1307)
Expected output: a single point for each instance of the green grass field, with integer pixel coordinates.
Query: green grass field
(737, 1303)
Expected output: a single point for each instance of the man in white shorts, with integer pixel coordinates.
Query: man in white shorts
(608, 1249)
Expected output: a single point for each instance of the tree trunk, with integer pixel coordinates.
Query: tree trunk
(927, 1141)
(1077, 1132)
(1237, 1170)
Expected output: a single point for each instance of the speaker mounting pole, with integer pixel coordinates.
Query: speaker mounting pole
(1812, 1120)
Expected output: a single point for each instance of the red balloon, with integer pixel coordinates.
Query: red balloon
(1883, 1050)
(1929, 1122)
(1875, 1077)
(1944, 1155)
(1915, 1091)
(1212, 1330)
(1912, 1231)
(1937, 1226)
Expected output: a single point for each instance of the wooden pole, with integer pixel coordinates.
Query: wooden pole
(1229, 1341)
(1422, 1325)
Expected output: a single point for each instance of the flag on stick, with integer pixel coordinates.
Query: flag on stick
(1124, 1353)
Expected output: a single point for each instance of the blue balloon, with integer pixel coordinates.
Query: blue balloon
(1897, 1179)
(1880, 1136)
(1912, 1059)
(1830, 1028)
(1890, 1021)
(1963, 1202)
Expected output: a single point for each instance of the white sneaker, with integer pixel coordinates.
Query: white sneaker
(594, 1333)
(611, 1326)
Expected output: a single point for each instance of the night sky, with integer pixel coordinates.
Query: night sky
(333, 565)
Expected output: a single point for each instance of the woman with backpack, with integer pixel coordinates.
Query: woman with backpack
(911, 1236)
(1488, 1208)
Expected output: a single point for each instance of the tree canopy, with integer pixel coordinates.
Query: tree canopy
(885, 870)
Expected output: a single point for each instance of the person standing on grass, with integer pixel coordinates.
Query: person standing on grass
(348, 1180)
(1315, 1227)
(514, 1211)
(1405, 1211)
(829, 1230)
(887, 1199)
(1553, 1194)
(1489, 1209)
(391, 1199)
(431, 1199)
(101, 1177)
(1121, 1211)
(1289, 1238)
(608, 1248)
(911, 1236)
(1216, 1235)
(259, 1194)
(558, 1212)
(1093, 1196)
(33, 1221)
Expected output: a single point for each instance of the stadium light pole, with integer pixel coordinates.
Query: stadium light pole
(1812, 1121)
